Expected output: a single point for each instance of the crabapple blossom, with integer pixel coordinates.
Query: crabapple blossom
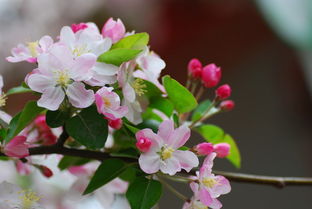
(143, 144)
(209, 186)
(223, 91)
(115, 30)
(108, 103)
(227, 105)
(163, 154)
(59, 74)
(23, 168)
(17, 147)
(195, 68)
(31, 51)
(222, 149)
(211, 75)
(204, 148)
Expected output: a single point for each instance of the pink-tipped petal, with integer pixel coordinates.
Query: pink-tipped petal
(205, 197)
(179, 137)
(187, 159)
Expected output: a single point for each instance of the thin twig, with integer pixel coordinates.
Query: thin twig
(173, 190)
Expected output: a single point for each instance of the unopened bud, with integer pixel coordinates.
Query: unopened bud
(143, 144)
(47, 172)
(115, 124)
(211, 75)
(195, 68)
(222, 149)
(78, 27)
(115, 30)
(204, 148)
(227, 105)
(223, 91)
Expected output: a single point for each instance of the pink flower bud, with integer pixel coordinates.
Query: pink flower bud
(144, 144)
(47, 172)
(78, 27)
(114, 30)
(223, 91)
(41, 124)
(222, 149)
(195, 68)
(227, 105)
(211, 75)
(115, 124)
(48, 138)
(17, 147)
(204, 148)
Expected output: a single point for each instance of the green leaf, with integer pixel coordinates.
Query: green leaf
(57, 118)
(118, 56)
(151, 90)
(216, 135)
(22, 119)
(88, 128)
(162, 104)
(131, 128)
(136, 41)
(200, 110)
(182, 99)
(149, 114)
(107, 171)
(18, 90)
(144, 193)
(68, 161)
(234, 156)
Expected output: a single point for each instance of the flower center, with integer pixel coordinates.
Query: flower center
(166, 153)
(139, 86)
(209, 182)
(80, 50)
(198, 205)
(107, 102)
(63, 78)
(28, 198)
(3, 99)
(32, 46)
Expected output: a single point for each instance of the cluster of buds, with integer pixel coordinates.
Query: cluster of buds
(221, 149)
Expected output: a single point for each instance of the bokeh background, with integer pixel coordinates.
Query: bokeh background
(264, 48)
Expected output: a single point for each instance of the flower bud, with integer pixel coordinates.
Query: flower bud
(47, 172)
(41, 124)
(195, 68)
(115, 124)
(222, 149)
(78, 27)
(211, 75)
(204, 148)
(223, 91)
(115, 30)
(143, 144)
(17, 147)
(227, 105)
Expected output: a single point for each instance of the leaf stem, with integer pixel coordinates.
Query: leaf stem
(173, 190)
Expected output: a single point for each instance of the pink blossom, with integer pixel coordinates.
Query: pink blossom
(115, 30)
(108, 103)
(211, 75)
(227, 105)
(59, 74)
(210, 187)
(223, 91)
(17, 147)
(163, 154)
(195, 68)
(31, 51)
(115, 124)
(222, 149)
(78, 27)
(204, 148)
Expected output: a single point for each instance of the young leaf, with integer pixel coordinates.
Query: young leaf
(118, 56)
(234, 156)
(57, 118)
(162, 104)
(151, 90)
(181, 98)
(200, 110)
(135, 41)
(68, 161)
(131, 128)
(144, 193)
(106, 172)
(88, 128)
(18, 90)
(22, 119)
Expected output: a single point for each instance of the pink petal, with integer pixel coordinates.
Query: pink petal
(17, 147)
(149, 162)
(216, 204)
(149, 134)
(187, 159)
(128, 92)
(45, 43)
(39, 83)
(78, 96)
(222, 187)
(207, 164)
(205, 197)
(102, 68)
(165, 129)
(170, 166)
(51, 98)
(81, 69)
(179, 137)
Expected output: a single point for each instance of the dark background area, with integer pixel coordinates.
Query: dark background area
(272, 118)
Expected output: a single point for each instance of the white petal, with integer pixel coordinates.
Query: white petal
(67, 36)
(102, 68)
(187, 159)
(149, 162)
(51, 98)
(78, 96)
(39, 82)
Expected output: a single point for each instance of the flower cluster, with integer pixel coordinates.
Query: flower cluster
(101, 98)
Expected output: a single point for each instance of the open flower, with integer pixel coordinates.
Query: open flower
(59, 74)
(163, 154)
(31, 51)
(108, 103)
(210, 186)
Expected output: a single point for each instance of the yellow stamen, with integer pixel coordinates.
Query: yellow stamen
(209, 182)
(80, 50)
(107, 102)
(166, 153)
(3, 99)
(139, 86)
(199, 205)
(32, 46)
(62, 78)
(28, 198)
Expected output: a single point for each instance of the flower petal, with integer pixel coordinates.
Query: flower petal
(222, 187)
(179, 137)
(149, 162)
(187, 159)
(102, 68)
(165, 129)
(39, 82)
(51, 98)
(205, 197)
(81, 69)
(170, 166)
(78, 96)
